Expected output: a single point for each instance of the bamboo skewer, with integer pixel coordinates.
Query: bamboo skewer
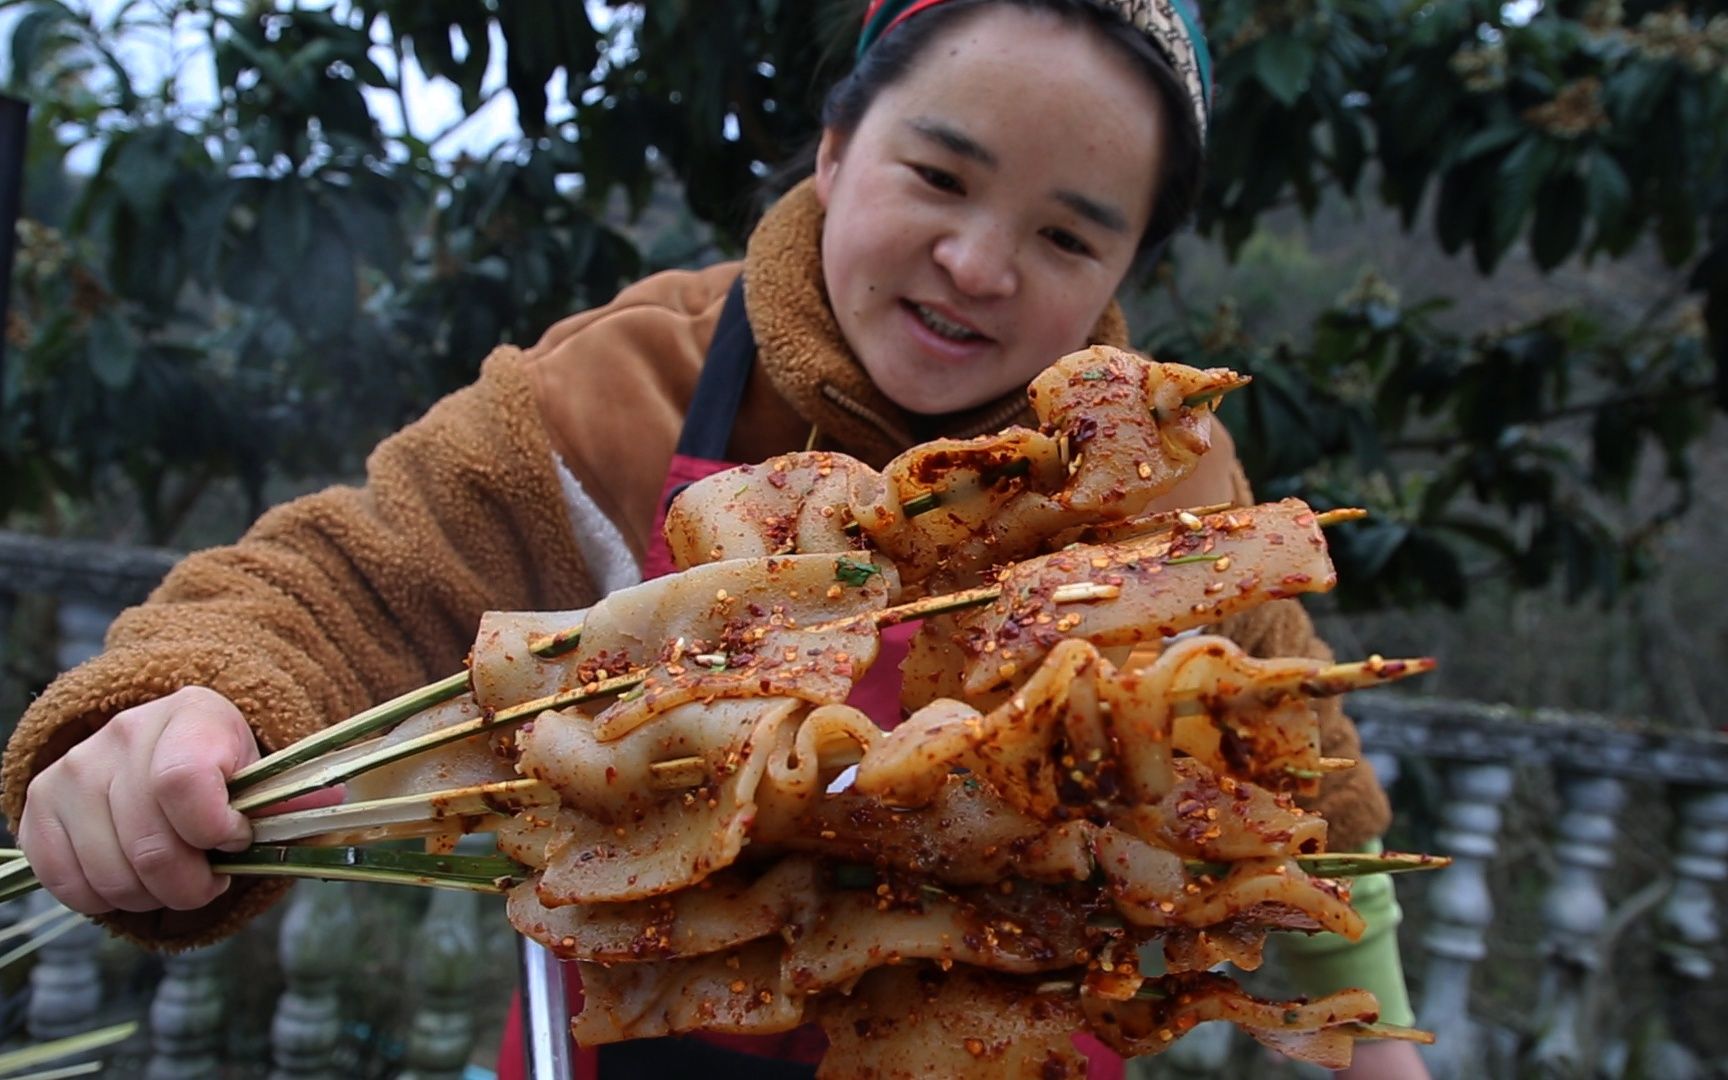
(63, 1072)
(68, 920)
(375, 719)
(30, 925)
(43, 1053)
(503, 797)
(675, 773)
(1340, 515)
(384, 716)
(499, 873)
(319, 778)
(472, 873)
(1390, 1031)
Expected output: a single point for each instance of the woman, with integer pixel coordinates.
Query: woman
(986, 178)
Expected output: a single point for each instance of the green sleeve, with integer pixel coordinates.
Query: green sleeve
(1318, 964)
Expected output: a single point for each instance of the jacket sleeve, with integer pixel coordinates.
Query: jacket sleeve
(335, 601)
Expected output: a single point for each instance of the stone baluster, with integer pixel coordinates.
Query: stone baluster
(1386, 767)
(66, 981)
(442, 1033)
(1688, 928)
(317, 944)
(1575, 910)
(8, 607)
(82, 626)
(1461, 911)
(186, 1031)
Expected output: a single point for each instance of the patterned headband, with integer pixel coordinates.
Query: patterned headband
(1172, 25)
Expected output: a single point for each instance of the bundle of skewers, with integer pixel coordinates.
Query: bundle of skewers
(686, 806)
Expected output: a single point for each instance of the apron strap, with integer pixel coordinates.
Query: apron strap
(720, 388)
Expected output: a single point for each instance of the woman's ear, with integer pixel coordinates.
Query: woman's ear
(828, 163)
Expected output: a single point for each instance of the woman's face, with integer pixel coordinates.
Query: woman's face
(987, 206)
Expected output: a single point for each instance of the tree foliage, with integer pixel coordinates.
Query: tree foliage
(264, 283)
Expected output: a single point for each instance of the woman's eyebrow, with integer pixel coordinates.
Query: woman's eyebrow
(1100, 214)
(954, 140)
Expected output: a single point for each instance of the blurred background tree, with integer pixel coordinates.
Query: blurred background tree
(267, 263)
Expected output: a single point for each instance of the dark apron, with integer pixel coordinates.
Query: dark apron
(791, 1055)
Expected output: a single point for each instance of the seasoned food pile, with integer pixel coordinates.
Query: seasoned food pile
(734, 848)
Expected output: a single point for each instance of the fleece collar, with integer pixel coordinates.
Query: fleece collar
(802, 352)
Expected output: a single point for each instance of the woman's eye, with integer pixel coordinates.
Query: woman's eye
(936, 178)
(1067, 241)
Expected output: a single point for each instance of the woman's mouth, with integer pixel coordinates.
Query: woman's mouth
(942, 326)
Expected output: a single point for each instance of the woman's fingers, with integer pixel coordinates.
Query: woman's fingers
(206, 742)
(53, 859)
(171, 872)
(124, 819)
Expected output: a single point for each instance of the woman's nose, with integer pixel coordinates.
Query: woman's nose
(980, 261)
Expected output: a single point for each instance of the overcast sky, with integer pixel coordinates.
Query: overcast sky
(432, 106)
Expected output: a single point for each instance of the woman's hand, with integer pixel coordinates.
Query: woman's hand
(1388, 1060)
(125, 818)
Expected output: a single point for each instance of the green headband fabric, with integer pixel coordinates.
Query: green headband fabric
(1173, 26)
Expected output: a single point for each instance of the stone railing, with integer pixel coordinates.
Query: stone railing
(1576, 935)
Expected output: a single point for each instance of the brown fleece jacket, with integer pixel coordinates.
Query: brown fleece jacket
(341, 599)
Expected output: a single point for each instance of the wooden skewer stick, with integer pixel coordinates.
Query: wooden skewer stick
(383, 717)
(474, 873)
(32, 924)
(1360, 1030)
(392, 712)
(1335, 679)
(504, 797)
(1340, 515)
(68, 920)
(318, 779)
(355, 728)
(336, 773)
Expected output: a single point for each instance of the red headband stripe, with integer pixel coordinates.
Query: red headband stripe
(906, 12)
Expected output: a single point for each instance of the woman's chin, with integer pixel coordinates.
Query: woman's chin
(930, 396)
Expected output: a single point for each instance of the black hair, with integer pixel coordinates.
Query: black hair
(895, 54)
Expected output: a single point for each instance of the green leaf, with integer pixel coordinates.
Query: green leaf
(30, 36)
(1609, 192)
(1437, 567)
(1559, 221)
(1632, 96)
(1521, 175)
(112, 351)
(1615, 442)
(202, 204)
(1284, 64)
(1372, 544)
(1676, 227)
(1489, 139)
(323, 293)
(285, 224)
(142, 166)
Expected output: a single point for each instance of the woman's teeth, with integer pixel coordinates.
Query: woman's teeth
(953, 331)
